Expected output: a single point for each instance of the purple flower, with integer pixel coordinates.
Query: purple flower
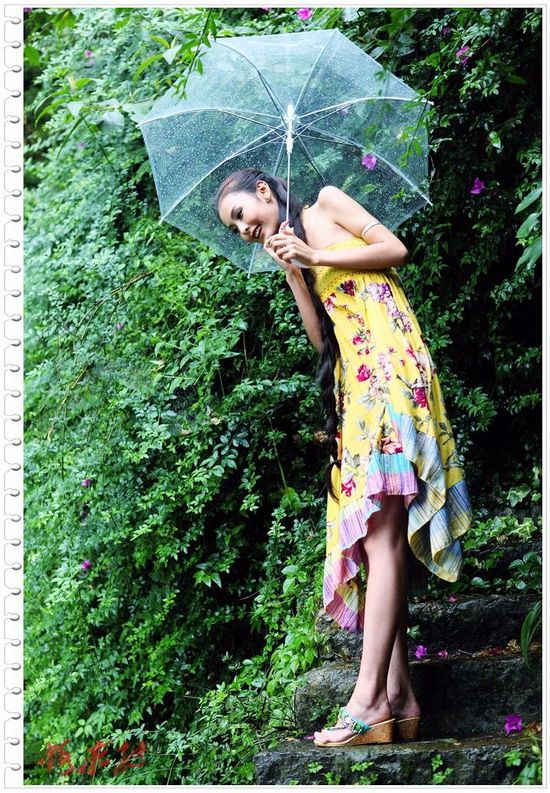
(308, 737)
(369, 161)
(461, 56)
(86, 482)
(421, 651)
(478, 186)
(119, 325)
(304, 13)
(86, 564)
(445, 30)
(513, 722)
(88, 53)
(443, 654)
(452, 598)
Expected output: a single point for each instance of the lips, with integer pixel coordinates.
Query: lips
(257, 232)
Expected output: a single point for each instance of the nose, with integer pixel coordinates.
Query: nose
(244, 229)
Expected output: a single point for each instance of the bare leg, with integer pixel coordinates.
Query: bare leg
(386, 546)
(399, 685)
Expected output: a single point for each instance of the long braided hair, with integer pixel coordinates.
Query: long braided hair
(246, 180)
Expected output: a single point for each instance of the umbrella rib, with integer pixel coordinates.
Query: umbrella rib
(211, 110)
(246, 149)
(330, 138)
(266, 85)
(306, 83)
(334, 108)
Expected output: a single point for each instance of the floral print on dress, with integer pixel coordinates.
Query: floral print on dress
(381, 292)
(392, 430)
(347, 287)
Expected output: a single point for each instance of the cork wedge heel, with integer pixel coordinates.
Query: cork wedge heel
(381, 732)
(407, 729)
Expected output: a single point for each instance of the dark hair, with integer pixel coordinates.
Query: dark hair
(246, 179)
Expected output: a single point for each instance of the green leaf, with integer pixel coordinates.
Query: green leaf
(529, 199)
(495, 139)
(31, 55)
(528, 224)
(113, 120)
(147, 62)
(531, 254)
(515, 78)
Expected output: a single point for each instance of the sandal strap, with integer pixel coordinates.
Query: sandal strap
(346, 719)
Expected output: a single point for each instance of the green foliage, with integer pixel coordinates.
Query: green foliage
(439, 775)
(528, 760)
(171, 406)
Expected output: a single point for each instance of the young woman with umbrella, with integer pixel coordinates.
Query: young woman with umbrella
(397, 499)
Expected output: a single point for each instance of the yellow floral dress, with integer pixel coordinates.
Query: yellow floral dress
(393, 437)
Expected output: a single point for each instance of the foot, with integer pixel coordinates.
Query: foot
(370, 714)
(404, 706)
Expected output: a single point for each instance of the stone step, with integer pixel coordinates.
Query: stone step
(460, 696)
(473, 761)
(472, 622)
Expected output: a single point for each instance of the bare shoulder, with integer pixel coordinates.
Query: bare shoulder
(343, 211)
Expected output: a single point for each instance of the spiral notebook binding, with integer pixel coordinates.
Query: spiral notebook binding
(12, 579)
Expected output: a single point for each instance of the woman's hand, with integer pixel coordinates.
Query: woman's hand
(285, 245)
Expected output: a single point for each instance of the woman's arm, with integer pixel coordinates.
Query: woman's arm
(375, 256)
(307, 309)
(384, 249)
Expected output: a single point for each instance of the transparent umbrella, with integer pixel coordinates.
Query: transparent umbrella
(310, 107)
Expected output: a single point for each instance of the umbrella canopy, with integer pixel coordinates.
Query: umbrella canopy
(312, 99)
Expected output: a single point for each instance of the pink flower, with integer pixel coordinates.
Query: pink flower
(419, 396)
(348, 487)
(304, 13)
(308, 737)
(329, 302)
(389, 446)
(443, 654)
(478, 186)
(348, 287)
(452, 598)
(369, 161)
(513, 722)
(363, 373)
(445, 30)
(88, 53)
(460, 54)
(357, 340)
(421, 651)
(119, 325)
(86, 564)
(86, 482)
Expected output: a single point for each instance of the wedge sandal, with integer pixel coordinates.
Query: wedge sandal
(381, 732)
(407, 728)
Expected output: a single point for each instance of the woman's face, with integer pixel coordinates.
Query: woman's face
(255, 216)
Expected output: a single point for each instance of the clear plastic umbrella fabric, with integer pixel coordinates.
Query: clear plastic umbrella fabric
(356, 126)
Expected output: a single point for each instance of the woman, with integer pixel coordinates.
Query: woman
(396, 493)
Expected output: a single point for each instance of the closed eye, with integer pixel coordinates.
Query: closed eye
(234, 229)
